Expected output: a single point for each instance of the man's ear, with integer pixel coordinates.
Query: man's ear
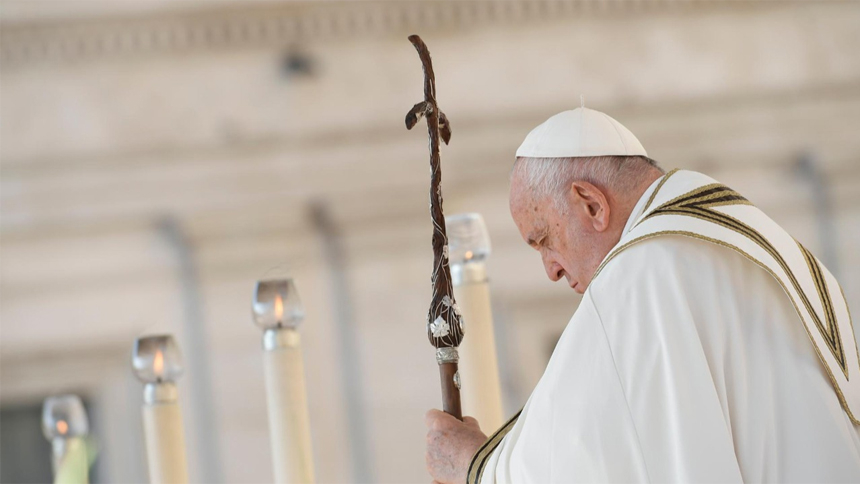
(592, 203)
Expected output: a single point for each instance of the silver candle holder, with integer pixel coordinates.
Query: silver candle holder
(277, 309)
(469, 248)
(157, 362)
(469, 243)
(65, 424)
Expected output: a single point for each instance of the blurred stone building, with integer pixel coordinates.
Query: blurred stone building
(157, 158)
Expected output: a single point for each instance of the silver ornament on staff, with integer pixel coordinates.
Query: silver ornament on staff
(278, 311)
(157, 362)
(469, 249)
(65, 425)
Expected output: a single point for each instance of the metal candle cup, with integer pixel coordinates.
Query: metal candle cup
(157, 362)
(65, 425)
(278, 311)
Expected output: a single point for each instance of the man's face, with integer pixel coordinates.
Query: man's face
(566, 242)
(557, 238)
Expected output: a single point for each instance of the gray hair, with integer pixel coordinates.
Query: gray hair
(549, 177)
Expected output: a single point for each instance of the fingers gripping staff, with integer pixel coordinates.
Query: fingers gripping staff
(444, 322)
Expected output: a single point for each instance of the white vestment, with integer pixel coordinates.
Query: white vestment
(688, 361)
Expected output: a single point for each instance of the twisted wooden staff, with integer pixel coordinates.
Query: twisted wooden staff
(444, 322)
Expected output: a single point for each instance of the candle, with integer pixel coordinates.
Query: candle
(157, 362)
(278, 311)
(65, 425)
(469, 245)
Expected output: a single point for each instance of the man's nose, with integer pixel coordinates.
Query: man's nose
(553, 269)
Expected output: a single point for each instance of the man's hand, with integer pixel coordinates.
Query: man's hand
(450, 446)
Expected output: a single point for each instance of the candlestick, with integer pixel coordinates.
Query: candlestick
(278, 311)
(65, 425)
(157, 362)
(469, 249)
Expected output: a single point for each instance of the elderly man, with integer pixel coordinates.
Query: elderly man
(709, 344)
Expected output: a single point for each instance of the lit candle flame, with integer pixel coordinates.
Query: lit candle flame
(62, 427)
(469, 255)
(158, 364)
(279, 308)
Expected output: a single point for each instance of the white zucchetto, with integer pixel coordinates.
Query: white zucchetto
(578, 133)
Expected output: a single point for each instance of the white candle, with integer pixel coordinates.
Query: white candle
(158, 364)
(73, 467)
(65, 425)
(278, 311)
(481, 393)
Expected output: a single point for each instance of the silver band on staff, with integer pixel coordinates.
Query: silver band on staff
(447, 355)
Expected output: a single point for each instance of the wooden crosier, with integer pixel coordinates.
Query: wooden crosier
(444, 322)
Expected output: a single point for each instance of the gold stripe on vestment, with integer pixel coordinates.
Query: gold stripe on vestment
(659, 186)
(699, 203)
(824, 296)
(850, 323)
(479, 460)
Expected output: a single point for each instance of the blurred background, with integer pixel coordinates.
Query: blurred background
(158, 157)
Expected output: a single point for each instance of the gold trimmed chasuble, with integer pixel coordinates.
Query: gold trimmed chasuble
(728, 325)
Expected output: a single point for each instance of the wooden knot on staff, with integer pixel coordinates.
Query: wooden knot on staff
(444, 322)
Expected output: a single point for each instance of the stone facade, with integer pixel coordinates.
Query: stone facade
(156, 161)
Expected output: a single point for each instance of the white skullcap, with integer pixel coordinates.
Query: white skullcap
(580, 132)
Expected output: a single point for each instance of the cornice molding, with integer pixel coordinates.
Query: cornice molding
(296, 23)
